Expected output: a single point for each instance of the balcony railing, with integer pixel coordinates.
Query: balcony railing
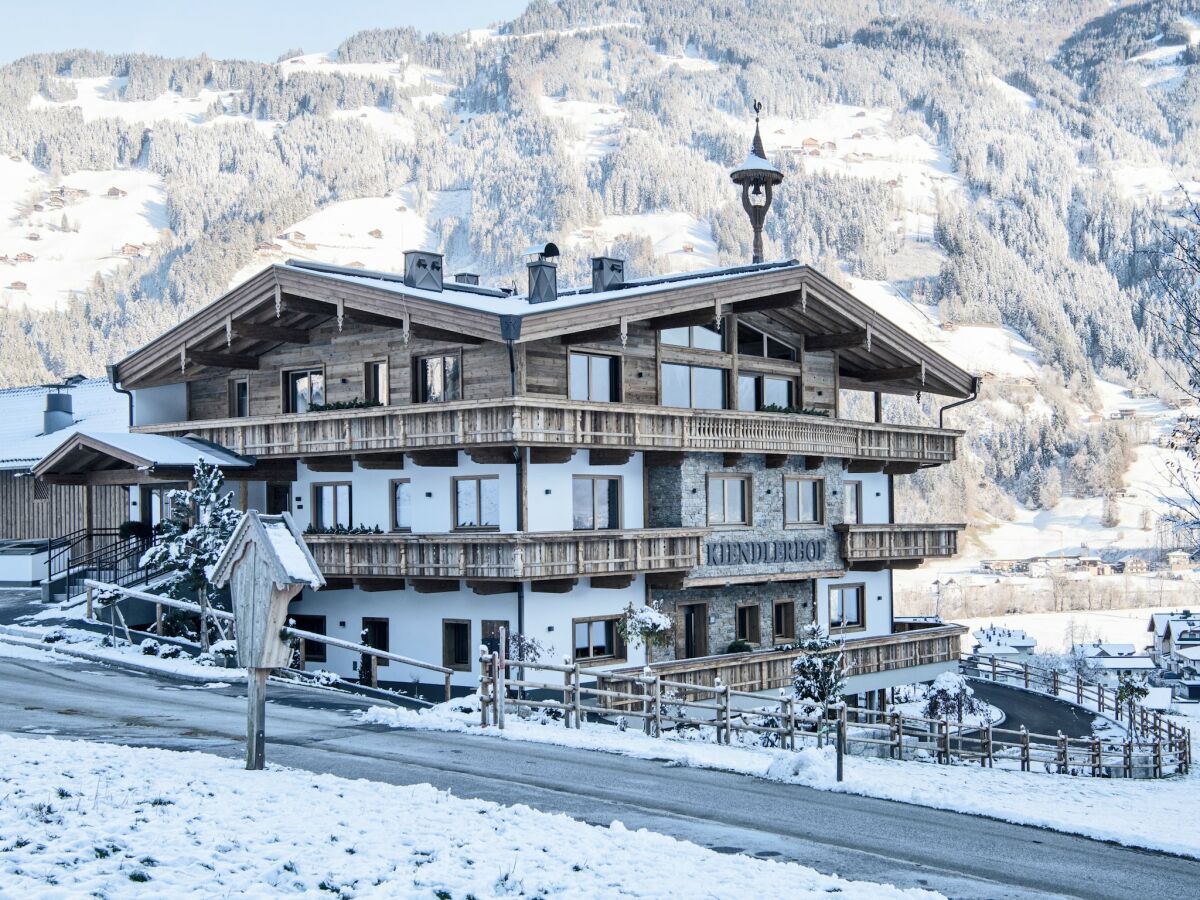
(507, 557)
(768, 670)
(561, 423)
(884, 543)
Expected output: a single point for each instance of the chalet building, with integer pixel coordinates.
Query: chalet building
(463, 458)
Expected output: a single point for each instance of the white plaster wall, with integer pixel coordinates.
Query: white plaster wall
(878, 591)
(370, 499)
(415, 623)
(874, 497)
(166, 403)
(553, 511)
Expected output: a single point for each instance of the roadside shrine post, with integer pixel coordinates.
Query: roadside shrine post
(266, 563)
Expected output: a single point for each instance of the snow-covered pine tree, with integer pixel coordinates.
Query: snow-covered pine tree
(950, 697)
(1130, 690)
(192, 536)
(818, 676)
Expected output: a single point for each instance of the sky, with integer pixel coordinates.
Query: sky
(231, 29)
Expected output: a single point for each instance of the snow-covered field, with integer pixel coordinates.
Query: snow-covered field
(1127, 812)
(86, 819)
(1053, 631)
(98, 228)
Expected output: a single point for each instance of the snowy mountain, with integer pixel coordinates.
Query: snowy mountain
(989, 174)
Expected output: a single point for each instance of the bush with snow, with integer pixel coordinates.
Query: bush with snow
(818, 676)
(951, 697)
(150, 647)
(645, 625)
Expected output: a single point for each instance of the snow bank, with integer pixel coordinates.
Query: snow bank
(85, 819)
(1158, 815)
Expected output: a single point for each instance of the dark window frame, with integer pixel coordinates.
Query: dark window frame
(747, 623)
(315, 509)
(858, 500)
(620, 650)
(419, 391)
(454, 482)
(692, 369)
(489, 633)
(396, 526)
(234, 384)
(615, 375)
(370, 384)
(765, 336)
(785, 632)
(387, 637)
(314, 651)
(620, 501)
(448, 656)
(860, 612)
(286, 380)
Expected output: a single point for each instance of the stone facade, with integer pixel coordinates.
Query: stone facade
(723, 602)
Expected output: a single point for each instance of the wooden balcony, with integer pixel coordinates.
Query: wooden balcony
(507, 557)
(867, 546)
(768, 670)
(560, 423)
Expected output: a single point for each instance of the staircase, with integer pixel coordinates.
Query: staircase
(101, 554)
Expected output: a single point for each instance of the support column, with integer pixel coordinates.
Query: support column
(878, 407)
(256, 714)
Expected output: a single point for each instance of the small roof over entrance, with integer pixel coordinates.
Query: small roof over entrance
(119, 458)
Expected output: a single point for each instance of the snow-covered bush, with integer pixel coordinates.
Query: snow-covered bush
(645, 625)
(324, 677)
(150, 647)
(818, 676)
(169, 651)
(523, 648)
(950, 697)
(54, 636)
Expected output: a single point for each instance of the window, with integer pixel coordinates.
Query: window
(785, 621)
(41, 489)
(401, 490)
(752, 341)
(729, 500)
(303, 389)
(698, 387)
(477, 502)
(597, 502)
(846, 606)
(156, 503)
(279, 499)
(593, 376)
(239, 398)
(747, 623)
(802, 501)
(598, 639)
(491, 633)
(438, 379)
(456, 644)
(764, 391)
(314, 651)
(699, 337)
(375, 634)
(331, 505)
(852, 502)
(375, 382)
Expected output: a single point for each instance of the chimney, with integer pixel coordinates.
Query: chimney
(423, 269)
(607, 273)
(59, 412)
(543, 275)
(466, 278)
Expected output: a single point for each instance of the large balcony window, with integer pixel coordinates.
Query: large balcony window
(303, 389)
(375, 382)
(597, 502)
(477, 502)
(331, 505)
(698, 337)
(752, 341)
(438, 379)
(697, 387)
(594, 377)
(847, 607)
(757, 392)
(401, 504)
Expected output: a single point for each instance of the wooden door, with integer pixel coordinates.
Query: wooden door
(693, 631)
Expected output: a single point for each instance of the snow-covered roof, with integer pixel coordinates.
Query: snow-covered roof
(22, 441)
(1192, 654)
(95, 450)
(282, 547)
(1012, 637)
(755, 163)
(1122, 663)
(1157, 698)
(996, 650)
(1098, 649)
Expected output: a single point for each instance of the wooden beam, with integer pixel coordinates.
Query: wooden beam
(434, 585)
(329, 463)
(338, 584)
(265, 470)
(550, 455)
(775, 460)
(843, 341)
(388, 460)
(761, 304)
(372, 318)
(222, 360)
(488, 588)
(901, 468)
(864, 465)
(900, 373)
(553, 585)
(670, 458)
(702, 316)
(668, 581)
(731, 460)
(609, 456)
(612, 582)
(374, 585)
(492, 456)
(294, 303)
(277, 333)
(431, 333)
(607, 333)
(811, 463)
(442, 459)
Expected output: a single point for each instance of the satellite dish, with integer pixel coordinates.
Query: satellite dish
(551, 250)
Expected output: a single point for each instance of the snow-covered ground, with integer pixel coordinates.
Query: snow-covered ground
(1056, 631)
(86, 819)
(98, 228)
(1128, 812)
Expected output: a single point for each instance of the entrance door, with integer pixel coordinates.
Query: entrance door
(694, 632)
(279, 499)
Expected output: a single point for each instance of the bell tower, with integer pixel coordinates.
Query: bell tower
(757, 178)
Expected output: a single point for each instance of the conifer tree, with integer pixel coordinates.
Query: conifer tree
(818, 676)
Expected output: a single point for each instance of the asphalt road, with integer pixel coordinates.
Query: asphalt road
(1038, 713)
(856, 837)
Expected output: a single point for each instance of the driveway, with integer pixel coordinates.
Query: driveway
(1039, 713)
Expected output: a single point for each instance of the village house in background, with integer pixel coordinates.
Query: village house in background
(464, 459)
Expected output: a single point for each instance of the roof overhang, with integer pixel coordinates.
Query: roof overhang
(282, 303)
(84, 458)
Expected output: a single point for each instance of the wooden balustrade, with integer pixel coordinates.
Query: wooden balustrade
(772, 669)
(880, 543)
(536, 422)
(507, 557)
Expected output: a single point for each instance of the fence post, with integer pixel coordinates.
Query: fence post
(647, 702)
(985, 755)
(897, 727)
(448, 676)
(1096, 757)
(1025, 667)
(1054, 682)
(789, 710)
(657, 706)
(578, 692)
(566, 700)
(1079, 690)
(498, 691)
(90, 592)
(1024, 749)
(1100, 697)
(484, 679)
(158, 621)
(1127, 757)
(374, 670)
(1061, 754)
(993, 668)
(943, 727)
(728, 704)
(841, 743)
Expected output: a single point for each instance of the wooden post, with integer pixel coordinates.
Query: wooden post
(647, 702)
(499, 690)
(256, 714)
(374, 669)
(1061, 753)
(985, 749)
(1025, 668)
(566, 697)
(484, 680)
(993, 668)
(578, 695)
(158, 622)
(1054, 682)
(448, 676)
(1096, 757)
(841, 743)
(657, 707)
(943, 727)
(897, 726)
(1024, 749)
(90, 598)
(1158, 766)
(789, 710)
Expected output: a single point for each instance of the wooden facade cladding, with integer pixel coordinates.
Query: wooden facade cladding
(772, 669)
(533, 422)
(61, 509)
(887, 543)
(507, 557)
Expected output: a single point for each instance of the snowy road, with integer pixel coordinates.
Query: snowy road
(852, 836)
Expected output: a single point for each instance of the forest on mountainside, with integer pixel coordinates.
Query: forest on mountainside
(1039, 236)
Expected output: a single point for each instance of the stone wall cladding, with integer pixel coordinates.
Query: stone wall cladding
(723, 602)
